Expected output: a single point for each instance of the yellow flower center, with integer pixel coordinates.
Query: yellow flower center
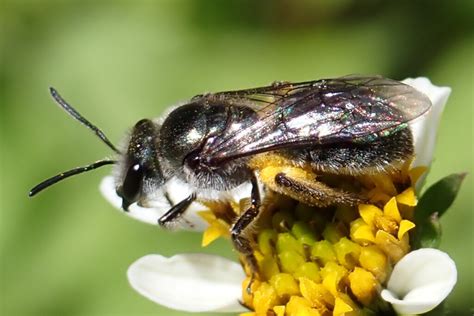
(325, 261)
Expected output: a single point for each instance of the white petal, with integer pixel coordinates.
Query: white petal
(189, 282)
(424, 129)
(159, 205)
(420, 281)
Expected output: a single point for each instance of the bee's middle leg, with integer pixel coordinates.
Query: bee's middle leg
(241, 243)
(302, 185)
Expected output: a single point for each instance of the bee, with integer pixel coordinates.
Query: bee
(285, 135)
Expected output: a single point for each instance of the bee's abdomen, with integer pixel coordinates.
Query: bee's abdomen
(384, 154)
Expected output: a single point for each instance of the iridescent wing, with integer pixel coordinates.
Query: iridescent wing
(289, 115)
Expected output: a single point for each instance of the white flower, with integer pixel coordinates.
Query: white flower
(203, 283)
(420, 281)
(189, 282)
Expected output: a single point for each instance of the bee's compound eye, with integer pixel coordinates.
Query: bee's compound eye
(131, 185)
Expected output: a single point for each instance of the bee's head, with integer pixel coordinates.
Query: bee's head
(140, 172)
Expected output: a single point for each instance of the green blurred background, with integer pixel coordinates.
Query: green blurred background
(66, 252)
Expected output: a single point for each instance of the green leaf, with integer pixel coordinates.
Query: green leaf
(428, 234)
(439, 197)
(434, 203)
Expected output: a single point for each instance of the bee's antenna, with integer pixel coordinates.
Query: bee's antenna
(71, 111)
(66, 174)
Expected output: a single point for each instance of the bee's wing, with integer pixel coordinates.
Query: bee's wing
(290, 115)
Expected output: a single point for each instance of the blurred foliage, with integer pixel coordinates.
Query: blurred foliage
(66, 252)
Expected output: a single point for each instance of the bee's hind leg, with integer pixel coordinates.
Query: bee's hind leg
(241, 243)
(302, 185)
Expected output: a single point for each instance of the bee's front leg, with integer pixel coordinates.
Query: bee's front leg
(176, 211)
(241, 243)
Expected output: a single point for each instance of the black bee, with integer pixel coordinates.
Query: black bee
(284, 135)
